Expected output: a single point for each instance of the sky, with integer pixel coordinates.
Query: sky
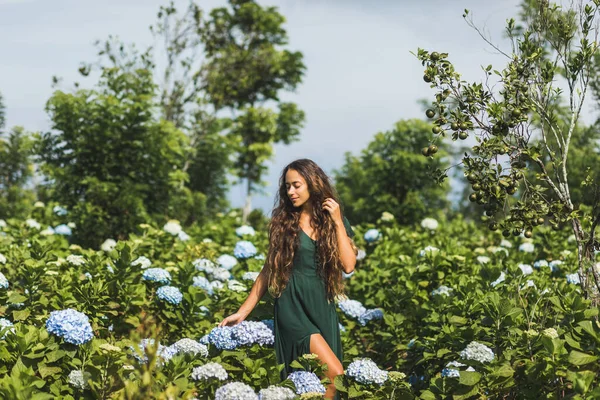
(361, 76)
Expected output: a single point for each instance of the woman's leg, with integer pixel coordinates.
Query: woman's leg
(319, 346)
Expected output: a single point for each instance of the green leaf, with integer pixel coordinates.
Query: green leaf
(458, 320)
(469, 378)
(427, 395)
(579, 358)
(55, 355)
(442, 352)
(21, 315)
(45, 370)
(16, 298)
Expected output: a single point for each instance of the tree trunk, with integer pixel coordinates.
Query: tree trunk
(248, 205)
(589, 276)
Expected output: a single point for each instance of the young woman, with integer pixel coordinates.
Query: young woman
(310, 244)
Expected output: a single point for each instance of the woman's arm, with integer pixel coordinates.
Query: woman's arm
(258, 290)
(347, 254)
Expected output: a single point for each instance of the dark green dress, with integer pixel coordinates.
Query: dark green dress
(303, 308)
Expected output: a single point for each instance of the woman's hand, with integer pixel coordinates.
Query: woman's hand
(233, 319)
(333, 208)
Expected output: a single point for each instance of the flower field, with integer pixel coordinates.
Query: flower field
(440, 310)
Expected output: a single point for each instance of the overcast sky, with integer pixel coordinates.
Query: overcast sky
(360, 78)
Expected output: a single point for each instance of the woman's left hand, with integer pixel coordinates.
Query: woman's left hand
(333, 208)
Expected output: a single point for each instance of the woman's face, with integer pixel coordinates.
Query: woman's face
(297, 189)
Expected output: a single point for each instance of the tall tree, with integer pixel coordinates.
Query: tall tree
(390, 175)
(16, 168)
(113, 164)
(554, 45)
(247, 67)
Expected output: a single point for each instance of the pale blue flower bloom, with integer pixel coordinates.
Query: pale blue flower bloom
(157, 275)
(63, 229)
(235, 391)
(60, 211)
(142, 261)
(500, 279)
(276, 393)
(71, 325)
(4, 323)
(573, 278)
(306, 382)
(352, 308)
(526, 269)
(244, 249)
(369, 315)
(365, 371)
(372, 235)
(190, 346)
(170, 294)
(527, 247)
(226, 261)
(442, 291)
(3, 281)
(204, 264)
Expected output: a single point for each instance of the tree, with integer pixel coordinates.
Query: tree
(389, 176)
(110, 161)
(247, 67)
(15, 170)
(552, 43)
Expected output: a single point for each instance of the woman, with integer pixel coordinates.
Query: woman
(309, 246)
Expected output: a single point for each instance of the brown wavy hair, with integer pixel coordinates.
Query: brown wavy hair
(285, 227)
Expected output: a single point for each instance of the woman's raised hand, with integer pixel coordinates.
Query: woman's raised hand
(233, 319)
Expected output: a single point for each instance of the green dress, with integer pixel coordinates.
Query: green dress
(303, 308)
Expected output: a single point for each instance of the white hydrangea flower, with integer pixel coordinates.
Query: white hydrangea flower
(236, 286)
(190, 346)
(527, 284)
(361, 254)
(39, 204)
(2, 223)
(476, 351)
(483, 259)
(142, 261)
(108, 245)
(184, 237)
(204, 264)
(551, 333)
(506, 243)
(245, 230)
(78, 379)
(173, 227)
(429, 223)
(49, 231)
(32, 223)
(210, 370)
(500, 279)
(71, 225)
(2, 259)
(526, 269)
(429, 251)
(250, 276)
(527, 247)
(221, 274)
(76, 260)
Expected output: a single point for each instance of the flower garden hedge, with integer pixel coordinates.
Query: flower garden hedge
(440, 310)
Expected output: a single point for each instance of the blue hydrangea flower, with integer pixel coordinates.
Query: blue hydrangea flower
(554, 264)
(235, 391)
(244, 333)
(270, 323)
(276, 393)
(341, 327)
(369, 315)
(352, 308)
(244, 249)
(250, 276)
(63, 229)
(170, 294)
(203, 283)
(365, 371)
(71, 325)
(306, 382)
(226, 261)
(372, 235)
(450, 372)
(209, 370)
(573, 278)
(157, 275)
(60, 211)
(540, 263)
(3, 281)
(4, 323)
(221, 274)
(245, 230)
(477, 352)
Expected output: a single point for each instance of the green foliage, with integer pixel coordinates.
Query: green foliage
(109, 161)
(391, 175)
(247, 65)
(553, 44)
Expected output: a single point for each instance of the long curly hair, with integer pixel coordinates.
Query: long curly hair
(285, 227)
